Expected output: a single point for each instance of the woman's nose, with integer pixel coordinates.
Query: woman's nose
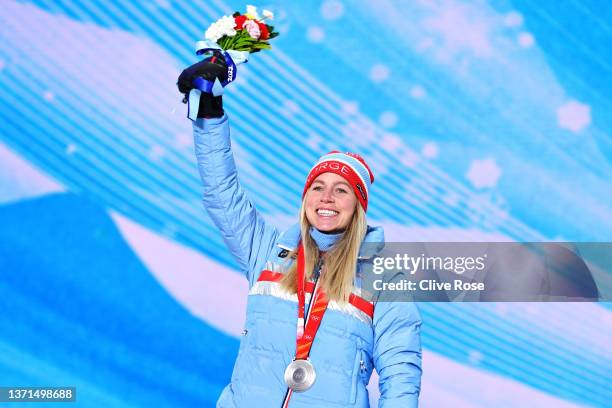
(327, 196)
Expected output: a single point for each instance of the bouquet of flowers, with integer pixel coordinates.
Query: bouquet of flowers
(230, 40)
(242, 32)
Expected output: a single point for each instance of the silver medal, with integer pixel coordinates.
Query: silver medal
(300, 375)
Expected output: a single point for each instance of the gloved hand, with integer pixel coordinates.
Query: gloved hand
(209, 68)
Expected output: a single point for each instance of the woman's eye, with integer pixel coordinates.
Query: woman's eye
(341, 190)
(317, 188)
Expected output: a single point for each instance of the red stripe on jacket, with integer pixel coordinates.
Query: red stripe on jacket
(355, 300)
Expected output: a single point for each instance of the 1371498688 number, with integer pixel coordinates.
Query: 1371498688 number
(33, 394)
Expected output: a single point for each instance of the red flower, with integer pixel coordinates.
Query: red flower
(239, 22)
(265, 34)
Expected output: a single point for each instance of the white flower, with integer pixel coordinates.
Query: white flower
(268, 14)
(252, 12)
(252, 28)
(224, 26)
(227, 24)
(213, 33)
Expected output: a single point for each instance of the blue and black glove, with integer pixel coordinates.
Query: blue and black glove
(210, 69)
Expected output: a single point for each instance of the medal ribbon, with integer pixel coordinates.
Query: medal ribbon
(318, 305)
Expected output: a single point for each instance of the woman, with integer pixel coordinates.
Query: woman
(295, 352)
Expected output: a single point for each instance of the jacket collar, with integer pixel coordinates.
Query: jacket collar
(373, 242)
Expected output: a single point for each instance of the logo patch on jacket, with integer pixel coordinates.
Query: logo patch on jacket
(283, 253)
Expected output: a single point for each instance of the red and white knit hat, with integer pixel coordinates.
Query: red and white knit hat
(351, 166)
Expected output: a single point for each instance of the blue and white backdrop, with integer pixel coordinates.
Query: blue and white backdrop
(483, 120)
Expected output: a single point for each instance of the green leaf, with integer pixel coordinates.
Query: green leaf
(236, 14)
(232, 42)
(224, 42)
(243, 43)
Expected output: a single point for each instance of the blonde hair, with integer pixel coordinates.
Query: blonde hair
(340, 261)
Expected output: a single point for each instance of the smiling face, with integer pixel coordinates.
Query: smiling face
(330, 203)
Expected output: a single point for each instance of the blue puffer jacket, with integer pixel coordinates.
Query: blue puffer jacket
(349, 344)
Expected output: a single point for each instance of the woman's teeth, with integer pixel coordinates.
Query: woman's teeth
(327, 213)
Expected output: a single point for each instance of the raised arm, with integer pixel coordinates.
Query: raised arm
(246, 233)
